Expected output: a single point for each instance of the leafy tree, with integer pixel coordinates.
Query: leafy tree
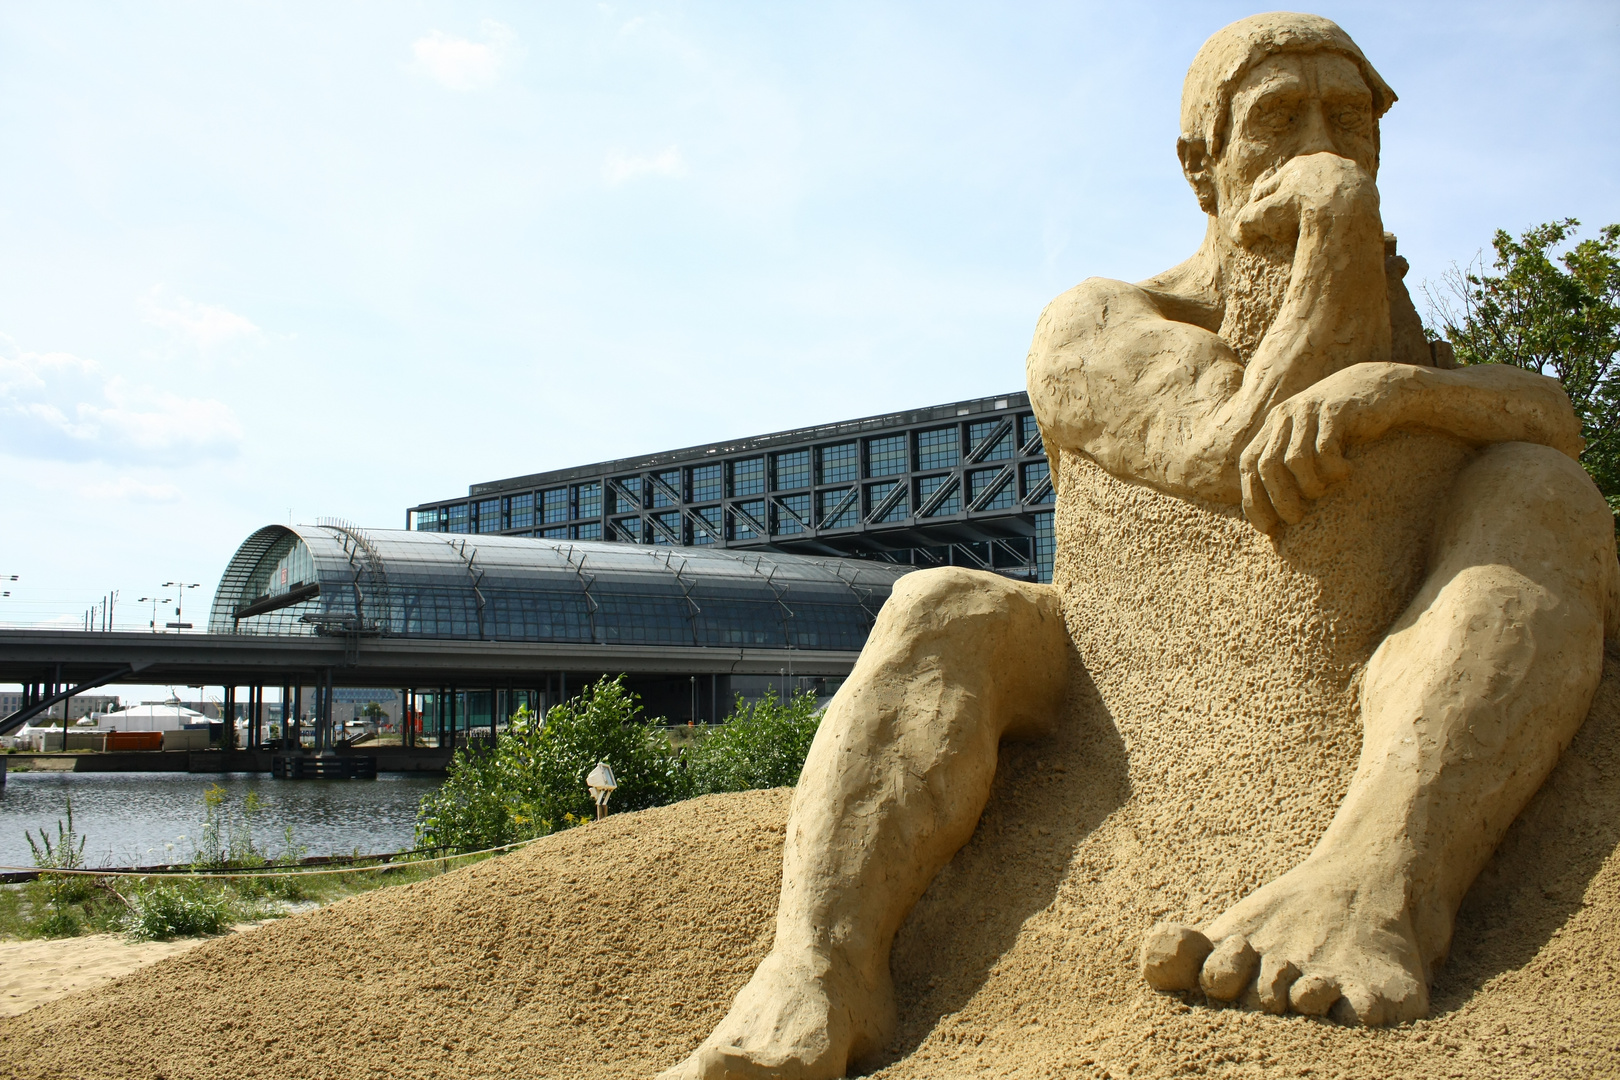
(1556, 315)
(762, 745)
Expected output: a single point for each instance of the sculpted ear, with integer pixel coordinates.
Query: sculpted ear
(1198, 169)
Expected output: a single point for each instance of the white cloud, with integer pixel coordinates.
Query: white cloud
(619, 167)
(205, 325)
(60, 407)
(460, 64)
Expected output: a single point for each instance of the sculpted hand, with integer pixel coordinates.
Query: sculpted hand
(1298, 453)
(1308, 194)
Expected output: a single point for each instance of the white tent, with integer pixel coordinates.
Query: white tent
(150, 716)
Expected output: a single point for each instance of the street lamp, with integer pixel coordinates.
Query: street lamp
(179, 588)
(602, 786)
(155, 602)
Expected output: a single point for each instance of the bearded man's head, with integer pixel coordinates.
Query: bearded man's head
(1270, 87)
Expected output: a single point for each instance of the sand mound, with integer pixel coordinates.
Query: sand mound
(609, 951)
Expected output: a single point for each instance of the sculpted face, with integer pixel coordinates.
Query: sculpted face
(1291, 105)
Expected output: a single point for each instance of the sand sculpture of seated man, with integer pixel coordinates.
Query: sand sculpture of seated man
(1246, 381)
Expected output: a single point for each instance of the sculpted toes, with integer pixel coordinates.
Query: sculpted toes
(1392, 1000)
(1230, 966)
(1172, 955)
(1276, 978)
(1313, 995)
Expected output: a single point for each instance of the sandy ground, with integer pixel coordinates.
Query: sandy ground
(609, 951)
(34, 972)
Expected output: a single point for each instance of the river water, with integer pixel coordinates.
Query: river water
(146, 818)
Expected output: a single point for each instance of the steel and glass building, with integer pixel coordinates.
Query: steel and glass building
(965, 484)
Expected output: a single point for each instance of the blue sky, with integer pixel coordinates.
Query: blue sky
(338, 258)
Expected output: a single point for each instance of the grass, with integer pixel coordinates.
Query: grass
(161, 907)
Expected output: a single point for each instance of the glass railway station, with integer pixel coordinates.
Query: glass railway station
(965, 484)
(601, 608)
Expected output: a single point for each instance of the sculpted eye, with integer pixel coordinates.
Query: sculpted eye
(1353, 117)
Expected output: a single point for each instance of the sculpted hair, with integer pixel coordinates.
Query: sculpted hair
(1224, 59)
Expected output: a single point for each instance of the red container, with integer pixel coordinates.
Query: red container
(134, 740)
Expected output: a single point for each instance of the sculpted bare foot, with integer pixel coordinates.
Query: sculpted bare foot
(1329, 934)
(793, 1021)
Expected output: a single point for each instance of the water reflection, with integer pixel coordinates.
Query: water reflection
(143, 818)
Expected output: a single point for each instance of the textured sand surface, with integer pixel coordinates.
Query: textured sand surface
(1210, 735)
(34, 972)
(609, 951)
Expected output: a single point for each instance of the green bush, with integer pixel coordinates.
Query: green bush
(164, 909)
(533, 782)
(762, 745)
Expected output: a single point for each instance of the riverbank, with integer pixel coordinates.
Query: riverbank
(391, 759)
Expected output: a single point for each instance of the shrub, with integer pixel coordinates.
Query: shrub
(164, 910)
(762, 745)
(533, 782)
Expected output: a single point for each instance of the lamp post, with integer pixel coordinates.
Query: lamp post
(602, 786)
(179, 588)
(155, 602)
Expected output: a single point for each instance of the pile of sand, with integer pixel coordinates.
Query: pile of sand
(610, 951)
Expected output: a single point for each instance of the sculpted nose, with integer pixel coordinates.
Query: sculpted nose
(1314, 137)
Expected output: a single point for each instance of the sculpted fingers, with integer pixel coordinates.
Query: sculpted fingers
(1256, 503)
(1281, 486)
(1301, 454)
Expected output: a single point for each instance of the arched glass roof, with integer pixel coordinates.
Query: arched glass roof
(334, 579)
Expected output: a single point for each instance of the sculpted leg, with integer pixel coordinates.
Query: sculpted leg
(894, 785)
(1466, 705)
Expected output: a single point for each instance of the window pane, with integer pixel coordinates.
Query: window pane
(838, 509)
(748, 519)
(1028, 430)
(982, 481)
(626, 494)
(489, 515)
(838, 464)
(791, 512)
(790, 470)
(1036, 487)
(429, 520)
(748, 476)
(588, 501)
(888, 500)
(666, 528)
(886, 456)
(938, 449)
(558, 533)
(949, 503)
(457, 518)
(591, 530)
(665, 488)
(1044, 546)
(706, 515)
(705, 483)
(554, 505)
(628, 530)
(520, 511)
(1003, 447)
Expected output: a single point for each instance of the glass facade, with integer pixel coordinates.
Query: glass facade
(790, 470)
(838, 464)
(838, 508)
(790, 514)
(588, 501)
(987, 445)
(940, 448)
(1037, 486)
(887, 501)
(984, 492)
(1045, 545)
(887, 456)
(520, 511)
(704, 484)
(532, 590)
(747, 477)
(896, 485)
(938, 495)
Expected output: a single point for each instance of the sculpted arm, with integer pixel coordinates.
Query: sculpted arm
(1299, 451)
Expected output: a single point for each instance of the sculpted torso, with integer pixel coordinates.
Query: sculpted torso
(1279, 369)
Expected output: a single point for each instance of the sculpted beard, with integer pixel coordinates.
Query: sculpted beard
(1254, 281)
